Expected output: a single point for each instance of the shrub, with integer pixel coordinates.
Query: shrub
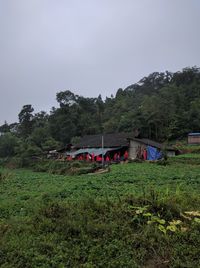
(5, 175)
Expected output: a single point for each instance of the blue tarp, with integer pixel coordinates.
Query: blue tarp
(153, 153)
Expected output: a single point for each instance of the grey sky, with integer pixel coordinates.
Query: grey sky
(90, 47)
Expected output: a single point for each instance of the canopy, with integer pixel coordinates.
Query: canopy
(95, 151)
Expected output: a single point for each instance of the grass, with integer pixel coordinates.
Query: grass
(49, 220)
(189, 156)
(188, 148)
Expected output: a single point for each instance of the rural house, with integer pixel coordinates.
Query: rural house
(102, 144)
(120, 143)
(154, 150)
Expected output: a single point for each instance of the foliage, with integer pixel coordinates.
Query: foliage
(64, 167)
(133, 216)
(8, 145)
(137, 215)
(26, 120)
(162, 106)
(4, 175)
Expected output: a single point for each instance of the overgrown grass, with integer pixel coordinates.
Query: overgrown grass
(4, 175)
(188, 159)
(51, 166)
(64, 167)
(104, 233)
(125, 218)
(187, 148)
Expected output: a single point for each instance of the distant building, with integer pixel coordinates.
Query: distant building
(194, 138)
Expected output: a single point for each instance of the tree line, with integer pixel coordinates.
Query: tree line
(162, 106)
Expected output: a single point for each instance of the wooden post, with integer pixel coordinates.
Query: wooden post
(102, 146)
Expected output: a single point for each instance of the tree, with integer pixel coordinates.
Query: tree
(8, 145)
(40, 119)
(161, 105)
(62, 125)
(66, 98)
(26, 120)
(4, 128)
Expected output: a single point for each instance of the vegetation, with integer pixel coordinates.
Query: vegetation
(137, 215)
(162, 106)
(65, 168)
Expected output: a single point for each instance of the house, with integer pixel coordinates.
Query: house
(102, 144)
(120, 143)
(154, 149)
(194, 138)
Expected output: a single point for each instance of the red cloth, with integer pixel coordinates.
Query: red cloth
(99, 158)
(80, 157)
(126, 155)
(115, 157)
(145, 154)
(107, 159)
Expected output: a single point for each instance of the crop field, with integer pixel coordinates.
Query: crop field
(132, 216)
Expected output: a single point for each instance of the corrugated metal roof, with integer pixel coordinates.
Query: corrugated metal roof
(194, 134)
(95, 151)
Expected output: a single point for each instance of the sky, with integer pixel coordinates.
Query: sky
(89, 47)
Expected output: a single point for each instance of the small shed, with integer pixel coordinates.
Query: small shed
(194, 138)
(137, 147)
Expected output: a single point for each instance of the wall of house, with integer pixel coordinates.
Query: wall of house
(134, 146)
(193, 139)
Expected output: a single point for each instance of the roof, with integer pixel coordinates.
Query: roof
(153, 144)
(115, 140)
(194, 134)
(110, 140)
(95, 151)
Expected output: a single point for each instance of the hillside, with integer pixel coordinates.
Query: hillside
(162, 106)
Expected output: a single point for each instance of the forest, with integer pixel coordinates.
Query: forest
(162, 106)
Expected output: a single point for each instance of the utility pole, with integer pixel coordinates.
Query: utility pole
(102, 146)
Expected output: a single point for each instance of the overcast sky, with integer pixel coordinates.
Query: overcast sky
(90, 47)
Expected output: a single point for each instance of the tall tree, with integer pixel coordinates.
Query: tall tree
(26, 120)
(4, 128)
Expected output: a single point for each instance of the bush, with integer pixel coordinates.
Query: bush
(64, 167)
(8, 144)
(4, 175)
(4, 161)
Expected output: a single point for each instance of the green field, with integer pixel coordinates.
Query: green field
(115, 219)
